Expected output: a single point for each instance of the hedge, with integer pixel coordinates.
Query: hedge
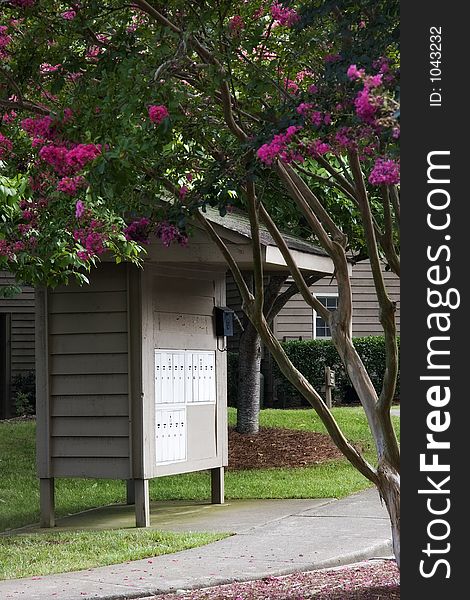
(311, 357)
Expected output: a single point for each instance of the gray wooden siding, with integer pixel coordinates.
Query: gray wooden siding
(23, 303)
(19, 339)
(21, 310)
(88, 367)
(296, 319)
(22, 343)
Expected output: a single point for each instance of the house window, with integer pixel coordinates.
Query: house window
(321, 329)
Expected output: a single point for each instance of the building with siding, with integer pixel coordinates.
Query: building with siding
(297, 320)
(16, 340)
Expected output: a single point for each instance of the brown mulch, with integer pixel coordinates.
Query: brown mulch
(369, 580)
(279, 448)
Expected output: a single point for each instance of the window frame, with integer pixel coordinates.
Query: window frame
(314, 321)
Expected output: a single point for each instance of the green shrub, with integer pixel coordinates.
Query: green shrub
(312, 356)
(23, 393)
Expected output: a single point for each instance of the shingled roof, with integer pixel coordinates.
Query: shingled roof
(239, 222)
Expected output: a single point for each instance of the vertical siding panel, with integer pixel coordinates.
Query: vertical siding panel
(88, 358)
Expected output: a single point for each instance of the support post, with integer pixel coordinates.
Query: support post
(329, 385)
(130, 491)
(217, 485)
(142, 503)
(47, 503)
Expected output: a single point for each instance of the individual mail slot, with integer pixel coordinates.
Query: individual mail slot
(206, 377)
(167, 379)
(188, 377)
(170, 435)
(178, 378)
(210, 374)
(196, 375)
(158, 377)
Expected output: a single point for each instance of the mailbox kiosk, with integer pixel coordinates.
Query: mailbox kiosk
(131, 369)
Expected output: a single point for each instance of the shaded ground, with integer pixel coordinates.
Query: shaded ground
(279, 448)
(370, 580)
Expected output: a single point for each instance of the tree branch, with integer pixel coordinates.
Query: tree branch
(281, 299)
(304, 207)
(310, 299)
(256, 247)
(386, 240)
(25, 105)
(316, 206)
(387, 307)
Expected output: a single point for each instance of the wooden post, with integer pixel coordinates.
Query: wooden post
(142, 503)
(217, 485)
(329, 385)
(47, 504)
(130, 491)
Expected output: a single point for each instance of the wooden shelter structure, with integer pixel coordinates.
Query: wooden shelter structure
(131, 369)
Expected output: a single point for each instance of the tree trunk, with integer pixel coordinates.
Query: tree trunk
(248, 397)
(248, 392)
(389, 490)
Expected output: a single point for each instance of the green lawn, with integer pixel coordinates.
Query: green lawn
(45, 553)
(19, 490)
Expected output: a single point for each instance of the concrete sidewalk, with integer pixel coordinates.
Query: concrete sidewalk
(272, 537)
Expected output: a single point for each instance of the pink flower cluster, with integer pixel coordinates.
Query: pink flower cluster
(39, 127)
(278, 147)
(5, 39)
(23, 3)
(236, 25)
(79, 209)
(68, 15)
(354, 73)
(91, 239)
(331, 58)
(366, 105)
(67, 162)
(8, 249)
(169, 233)
(318, 148)
(71, 185)
(370, 81)
(9, 117)
(306, 109)
(284, 15)
(157, 113)
(45, 68)
(291, 86)
(385, 172)
(6, 145)
(138, 230)
(344, 138)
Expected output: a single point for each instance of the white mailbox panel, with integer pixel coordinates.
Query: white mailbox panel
(170, 435)
(184, 377)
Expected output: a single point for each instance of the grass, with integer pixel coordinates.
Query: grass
(43, 554)
(19, 488)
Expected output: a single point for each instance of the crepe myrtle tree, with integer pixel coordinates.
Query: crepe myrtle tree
(126, 120)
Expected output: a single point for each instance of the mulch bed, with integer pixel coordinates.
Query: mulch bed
(279, 448)
(369, 580)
